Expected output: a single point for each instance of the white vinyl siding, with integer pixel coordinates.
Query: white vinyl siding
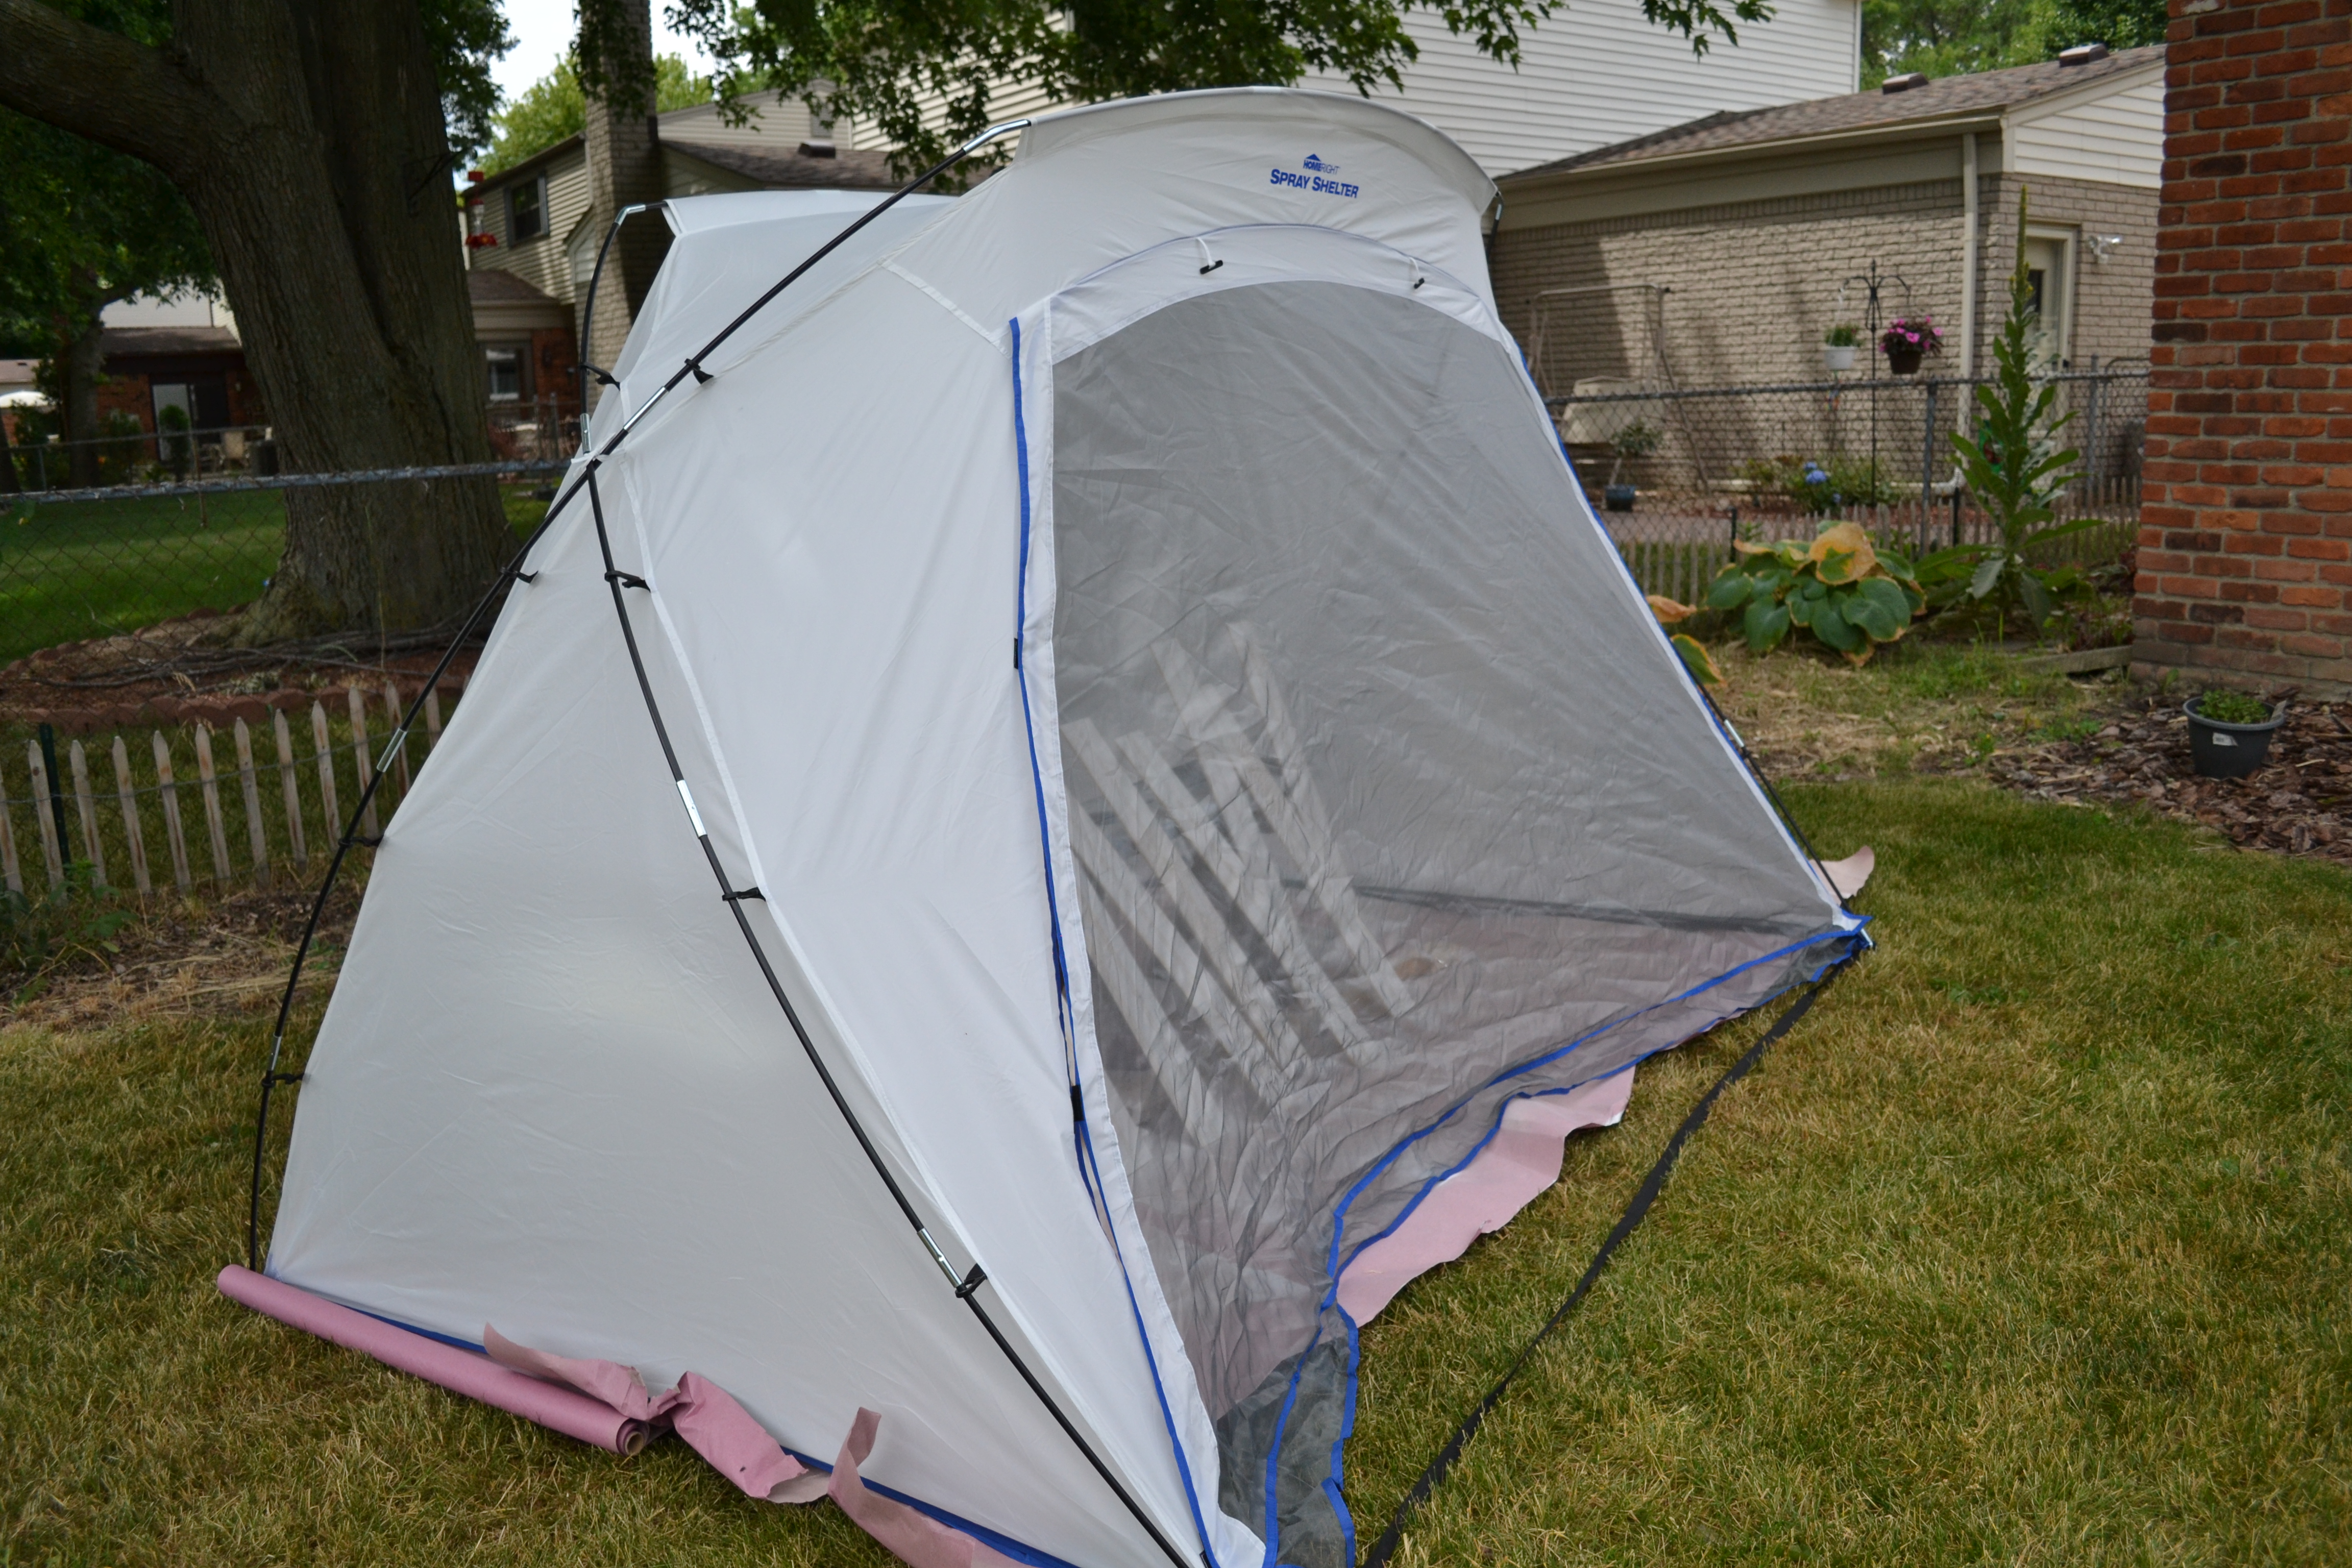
(2116, 137)
(781, 125)
(540, 262)
(1596, 73)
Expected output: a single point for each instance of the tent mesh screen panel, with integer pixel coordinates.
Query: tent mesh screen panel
(1383, 793)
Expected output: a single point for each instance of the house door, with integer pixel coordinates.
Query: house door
(2050, 279)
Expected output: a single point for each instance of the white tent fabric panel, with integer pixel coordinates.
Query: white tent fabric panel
(552, 1095)
(883, 786)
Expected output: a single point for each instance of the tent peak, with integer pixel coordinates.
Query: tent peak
(1277, 108)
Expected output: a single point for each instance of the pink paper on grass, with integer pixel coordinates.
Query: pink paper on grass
(1521, 1161)
(740, 1449)
(912, 1536)
(705, 1415)
(608, 1404)
(558, 1409)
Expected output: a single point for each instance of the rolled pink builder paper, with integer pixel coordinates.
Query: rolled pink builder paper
(553, 1407)
(607, 1403)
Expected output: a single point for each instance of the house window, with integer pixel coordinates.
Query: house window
(508, 365)
(526, 211)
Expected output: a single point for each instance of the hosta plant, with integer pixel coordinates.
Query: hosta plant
(1851, 594)
(1695, 656)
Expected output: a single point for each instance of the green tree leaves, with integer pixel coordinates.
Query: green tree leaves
(554, 107)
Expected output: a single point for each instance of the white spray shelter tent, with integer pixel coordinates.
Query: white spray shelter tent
(1199, 762)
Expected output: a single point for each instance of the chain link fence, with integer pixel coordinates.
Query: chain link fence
(1676, 475)
(196, 520)
(180, 523)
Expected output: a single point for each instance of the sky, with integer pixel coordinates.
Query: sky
(542, 30)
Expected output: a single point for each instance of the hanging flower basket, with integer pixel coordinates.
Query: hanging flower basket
(1907, 342)
(1838, 346)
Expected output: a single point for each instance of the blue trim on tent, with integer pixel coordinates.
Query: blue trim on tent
(1089, 1171)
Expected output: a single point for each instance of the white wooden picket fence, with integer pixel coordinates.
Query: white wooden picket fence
(250, 829)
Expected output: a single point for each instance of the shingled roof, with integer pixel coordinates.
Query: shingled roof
(1981, 92)
(495, 286)
(851, 169)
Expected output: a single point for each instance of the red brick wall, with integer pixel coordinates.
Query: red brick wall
(2245, 553)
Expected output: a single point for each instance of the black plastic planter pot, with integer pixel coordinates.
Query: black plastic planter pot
(1617, 497)
(2229, 751)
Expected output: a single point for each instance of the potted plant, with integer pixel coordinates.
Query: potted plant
(1638, 439)
(2229, 732)
(1838, 346)
(1907, 342)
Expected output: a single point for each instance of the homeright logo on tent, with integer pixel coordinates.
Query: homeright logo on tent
(1314, 180)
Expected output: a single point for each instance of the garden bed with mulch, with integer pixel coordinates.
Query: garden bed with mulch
(2301, 804)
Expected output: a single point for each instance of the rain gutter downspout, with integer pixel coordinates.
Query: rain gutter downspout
(1971, 243)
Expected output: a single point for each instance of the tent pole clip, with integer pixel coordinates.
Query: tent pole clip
(517, 575)
(281, 1077)
(603, 378)
(700, 375)
(971, 1282)
(738, 897)
(628, 580)
(363, 842)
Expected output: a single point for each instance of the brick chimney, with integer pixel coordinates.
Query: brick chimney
(2245, 540)
(624, 170)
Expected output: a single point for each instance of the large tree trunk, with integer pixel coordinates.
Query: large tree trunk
(309, 139)
(79, 359)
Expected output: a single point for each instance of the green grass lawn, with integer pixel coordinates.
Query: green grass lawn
(2028, 1246)
(72, 570)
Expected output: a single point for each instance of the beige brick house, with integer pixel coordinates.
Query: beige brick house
(1728, 242)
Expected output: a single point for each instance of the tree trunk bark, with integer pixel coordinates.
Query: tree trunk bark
(309, 139)
(78, 369)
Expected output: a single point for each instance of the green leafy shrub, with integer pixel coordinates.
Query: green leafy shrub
(1845, 336)
(1821, 487)
(2014, 469)
(1693, 652)
(2233, 707)
(1852, 595)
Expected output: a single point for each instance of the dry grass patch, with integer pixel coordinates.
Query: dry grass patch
(1924, 707)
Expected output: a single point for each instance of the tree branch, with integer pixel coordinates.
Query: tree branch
(82, 79)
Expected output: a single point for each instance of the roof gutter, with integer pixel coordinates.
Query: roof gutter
(1973, 119)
